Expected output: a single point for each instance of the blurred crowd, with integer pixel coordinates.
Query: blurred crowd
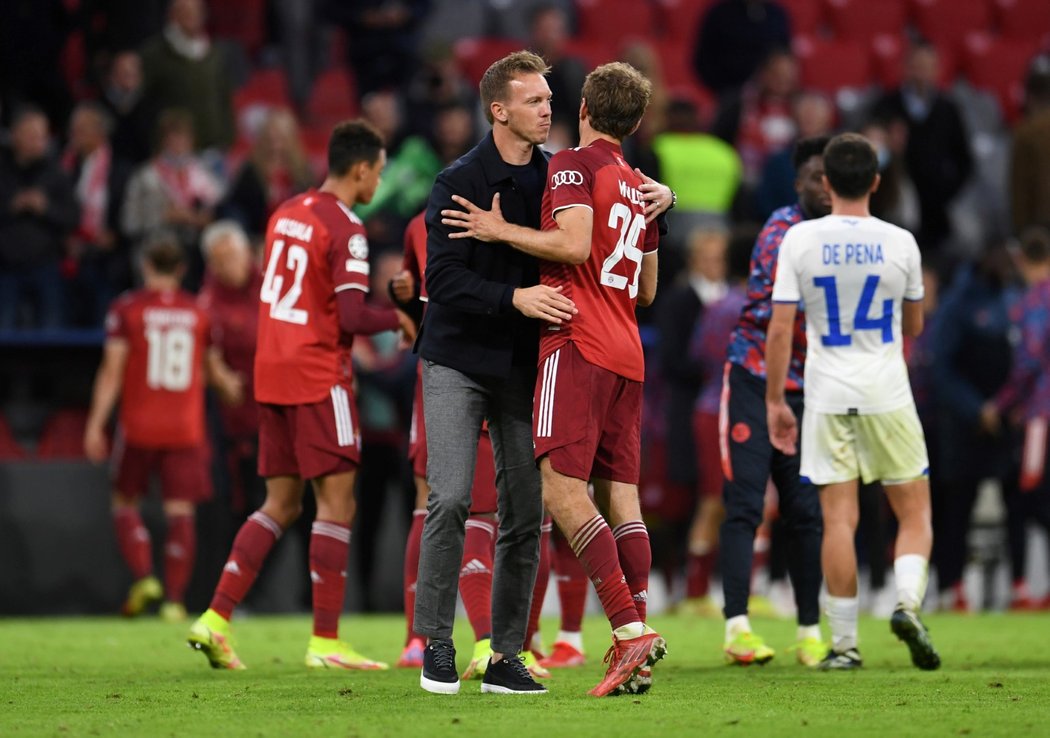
(173, 115)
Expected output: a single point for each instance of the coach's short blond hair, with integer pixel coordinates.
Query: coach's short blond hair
(617, 95)
(494, 82)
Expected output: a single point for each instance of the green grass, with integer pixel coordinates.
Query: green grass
(101, 676)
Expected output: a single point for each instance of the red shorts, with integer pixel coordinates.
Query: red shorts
(184, 473)
(708, 455)
(310, 441)
(587, 420)
(417, 431)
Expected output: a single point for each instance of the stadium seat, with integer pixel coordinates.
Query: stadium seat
(10, 450)
(474, 55)
(860, 19)
(63, 435)
(592, 53)
(679, 20)
(614, 19)
(676, 60)
(266, 87)
(950, 21)
(243, 21)
(333, 97)
(1023, 18)
(888, 52)
(831, 65)
(807, 16)
(999, 65)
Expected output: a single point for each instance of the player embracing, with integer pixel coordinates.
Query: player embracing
(312, 303)
(597, 249)
(860, 281)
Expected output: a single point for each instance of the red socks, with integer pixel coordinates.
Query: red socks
(636, 558)
(253, 542)
(572, 584)
(543, 575)
(329, 556)
(595, 547)
(134, 541)
(415, 535)
(180, 549)
(475, 575)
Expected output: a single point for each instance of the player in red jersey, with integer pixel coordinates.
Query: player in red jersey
(312, 302)
(408, 289)
(598, 250)
(156, 347)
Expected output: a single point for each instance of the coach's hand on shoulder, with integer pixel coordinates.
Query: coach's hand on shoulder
(484, 225)
(658, 197)
(783, 427)
(545, 303)
(95, 445)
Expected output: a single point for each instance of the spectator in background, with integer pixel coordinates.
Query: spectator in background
(32, 35)
(276, 169)
(173, 191)
(122, 96)
(971, 361)
(937, 153)
(643, 57)
(896, 200)
(437, 85)
(1025, 397)
(100, 180)
(383, 109)
(37, 214)
(383, 36)
(758, 120)
(302, 38)
(183, 69)
(734, 37)
(814, 115)
(1030, 152)
(549, 35)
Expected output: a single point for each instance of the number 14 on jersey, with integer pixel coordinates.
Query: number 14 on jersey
(862, 320)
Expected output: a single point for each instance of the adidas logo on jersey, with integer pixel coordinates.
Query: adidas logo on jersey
(231, 566)
(315, 577)
(473, 567)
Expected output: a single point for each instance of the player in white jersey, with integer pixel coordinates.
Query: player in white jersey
(860, 281)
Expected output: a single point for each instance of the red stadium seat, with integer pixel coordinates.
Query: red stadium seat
(888, 52)
(9, 448)
(832, 65)
(240, 20)
(679, 20)
(63, 435)
(999, 66)
(950, 21)
(677, 62)
(333, 98)
(475, 55)
(1023, 18)
(860, 19)
(807, 16)
(267, 87)
(615, 20)
(592, 53)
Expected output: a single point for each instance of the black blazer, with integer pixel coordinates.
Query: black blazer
(470, 324)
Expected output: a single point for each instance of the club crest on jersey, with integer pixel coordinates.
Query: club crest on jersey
(358, 247)
(566, 176)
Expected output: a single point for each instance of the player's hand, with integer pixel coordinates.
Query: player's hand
(96, 448)
(403, 285)
(408, 326)
(545, 303)
(657, 196)
(230, 388)
(783, 427)
(484, 225)
(990, 420)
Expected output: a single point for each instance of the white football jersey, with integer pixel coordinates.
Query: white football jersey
(851, 274)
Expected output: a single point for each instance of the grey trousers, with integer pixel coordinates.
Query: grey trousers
(454, 406)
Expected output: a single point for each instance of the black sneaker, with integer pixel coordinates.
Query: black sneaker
(439, 673)
(509, 675)
(841, 661)
(906, 625)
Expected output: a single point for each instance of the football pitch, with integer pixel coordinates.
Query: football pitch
(105, 676)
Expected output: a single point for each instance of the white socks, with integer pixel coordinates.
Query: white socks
(911, 572)
(842, 617)
(736, 625)
(807, 631)
(631, 630)
(573, 639)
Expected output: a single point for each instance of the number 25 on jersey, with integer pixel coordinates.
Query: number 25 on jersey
(282, 307)
(631, 226)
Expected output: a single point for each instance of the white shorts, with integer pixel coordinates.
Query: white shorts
(887, 447)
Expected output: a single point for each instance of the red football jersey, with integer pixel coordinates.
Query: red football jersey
(416, 252)
(234, 315)
(605, 287)
(315, 247)
(163, 388)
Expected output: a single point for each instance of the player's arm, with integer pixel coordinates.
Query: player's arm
(912, 318)
(647, 279)
(569, 243)
(783, 426)
(227, 383)
(104, 397)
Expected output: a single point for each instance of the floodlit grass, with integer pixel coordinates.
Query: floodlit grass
(87, 676)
